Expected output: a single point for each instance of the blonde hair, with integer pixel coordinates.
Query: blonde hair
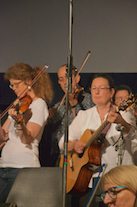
(122, 175)
(43, 87)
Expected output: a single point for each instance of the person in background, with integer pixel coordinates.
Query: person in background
(78, 100)
(102, 91)
(122, 92)
(120, 186)
(22, 132)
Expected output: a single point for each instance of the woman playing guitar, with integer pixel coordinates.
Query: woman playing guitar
(102, 91)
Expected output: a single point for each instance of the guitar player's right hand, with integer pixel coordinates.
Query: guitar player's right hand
(79, 147)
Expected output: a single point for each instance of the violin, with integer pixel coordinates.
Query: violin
(77, 91)
(21, 107)
(75, 94)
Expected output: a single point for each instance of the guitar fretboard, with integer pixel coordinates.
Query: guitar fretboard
(96, 133)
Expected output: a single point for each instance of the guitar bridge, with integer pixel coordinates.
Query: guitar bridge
(71, 163)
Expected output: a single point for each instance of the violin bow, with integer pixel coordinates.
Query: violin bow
(26, 89)
(95, 187)
(82, 65)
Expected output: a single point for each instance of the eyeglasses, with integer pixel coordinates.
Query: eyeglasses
(16, 85)
(112, 192)
(99, 88)
(122, 98)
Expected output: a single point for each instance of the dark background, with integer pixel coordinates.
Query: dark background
(7, 95)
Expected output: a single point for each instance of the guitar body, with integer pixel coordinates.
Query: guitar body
(80, 172)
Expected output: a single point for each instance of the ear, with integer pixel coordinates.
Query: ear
(78, 79)
(112, 92)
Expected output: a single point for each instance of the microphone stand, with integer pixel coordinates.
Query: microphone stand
(68, 90)
(120, 145)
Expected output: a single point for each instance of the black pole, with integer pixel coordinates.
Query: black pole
(68, 90)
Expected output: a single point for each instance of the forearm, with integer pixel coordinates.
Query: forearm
(4, 131)
(25, 135)
(73, 102)
(2, 135)
(126, 126)
(118, 119)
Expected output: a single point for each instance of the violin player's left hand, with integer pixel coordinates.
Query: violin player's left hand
(72, 100)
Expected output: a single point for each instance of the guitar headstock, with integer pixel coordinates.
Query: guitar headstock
(130, 102)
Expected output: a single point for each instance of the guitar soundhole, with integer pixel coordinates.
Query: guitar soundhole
(81, 154)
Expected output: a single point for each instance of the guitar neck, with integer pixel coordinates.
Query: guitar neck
(96, 133)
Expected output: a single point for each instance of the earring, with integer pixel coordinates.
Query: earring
(111, 100)
(29, 88)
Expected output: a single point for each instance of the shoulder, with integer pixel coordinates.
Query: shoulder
(128, 112)
(87, 112)
(39, 103)
(39, 111)
(56, 105)
(86, 100)
(60, 107)
(86, 95)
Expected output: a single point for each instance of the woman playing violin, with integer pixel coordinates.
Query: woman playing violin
(102, 91)
(23, 136)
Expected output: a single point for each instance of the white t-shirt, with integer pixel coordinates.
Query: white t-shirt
(15, 153)
(90, 119)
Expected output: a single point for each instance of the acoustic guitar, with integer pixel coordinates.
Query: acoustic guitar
(81, 167)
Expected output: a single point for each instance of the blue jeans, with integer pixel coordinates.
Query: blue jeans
(7, 177)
